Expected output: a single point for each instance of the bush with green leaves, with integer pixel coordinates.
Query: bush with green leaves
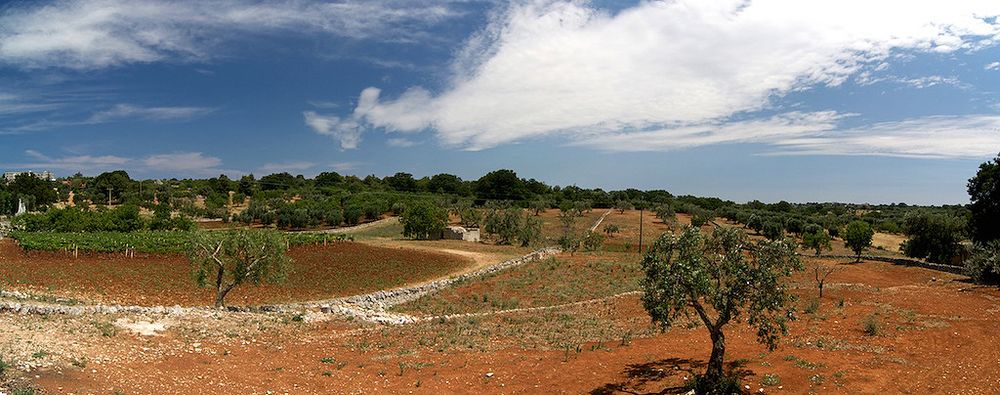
(934, 237)
(665, 214)
(503, 221)
(858, 237)
(983, 265)
(423, 220)
(592, 241)
(700, 217)
(722, 279)
(225, 260)
(773, 230)
(816, 238)
(530, 230)
(611, 229)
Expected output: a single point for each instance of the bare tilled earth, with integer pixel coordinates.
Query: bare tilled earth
(565, 324)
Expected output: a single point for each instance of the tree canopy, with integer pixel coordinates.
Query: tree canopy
(722, 278)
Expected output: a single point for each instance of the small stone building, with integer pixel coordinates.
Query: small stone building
(460, 233)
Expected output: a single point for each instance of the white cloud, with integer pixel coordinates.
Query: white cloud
(993, 66)
(345, 166)
(290, 167)
(400, 142)
(87, 34)
(563, 68)
(126, 111)
(69, 163)
(347, 131)
(767, 130)
(184, 162)
(971, 136)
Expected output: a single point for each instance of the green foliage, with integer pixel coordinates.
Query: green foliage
(700, 217)
(984, 197)
(146, 242)
(773, 230)
(666, 214)
(503, 221)
(468, 215)
(592, 241)
(529, 231)
(932, 236)
(227, 259)
(119, 219)
(611, 229)
(858, 237)
(569, 243)
(117, 182)
(500, 184)
(726, 275)
(984, 263)
(33, 191)
(423, 220)
(816, 238)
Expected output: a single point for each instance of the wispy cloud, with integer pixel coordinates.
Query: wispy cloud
(89, 34)
(565, 68)
(290, 167)
(400, 142)
(178, 163)
(971, 136)
(129, 111)
(993, 66)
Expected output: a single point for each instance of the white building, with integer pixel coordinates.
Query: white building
(43, 175)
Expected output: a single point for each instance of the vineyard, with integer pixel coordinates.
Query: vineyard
(153, 242)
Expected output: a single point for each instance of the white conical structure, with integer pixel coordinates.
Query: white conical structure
(20, 207)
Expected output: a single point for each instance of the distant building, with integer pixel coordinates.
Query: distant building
(42, 175)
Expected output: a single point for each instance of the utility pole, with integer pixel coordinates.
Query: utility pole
(109, 196)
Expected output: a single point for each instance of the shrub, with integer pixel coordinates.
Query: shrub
(932, 236)
(858, 237)
(871, 325)
(423, 220)
(530, 230)
(984, 263)
(592, 241)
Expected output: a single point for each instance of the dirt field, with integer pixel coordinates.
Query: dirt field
(318, 272)
(567, 324)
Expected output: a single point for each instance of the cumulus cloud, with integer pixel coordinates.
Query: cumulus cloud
(666, 70)
(993, 66)
(346, 131)
(88, 34)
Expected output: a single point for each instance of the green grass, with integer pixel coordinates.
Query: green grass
(542, 283)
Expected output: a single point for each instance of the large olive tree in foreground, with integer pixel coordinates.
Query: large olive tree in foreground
(227, 259)
(722, 278)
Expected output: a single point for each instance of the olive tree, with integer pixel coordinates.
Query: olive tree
(816, 238)
(983, 265)
(423, 220)
(984, 202)
(227, 259)
(858, 237)
(722, 278)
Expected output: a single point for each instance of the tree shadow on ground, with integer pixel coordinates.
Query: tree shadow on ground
(639, 375)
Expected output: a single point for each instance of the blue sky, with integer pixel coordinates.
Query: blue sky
(896, 101)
